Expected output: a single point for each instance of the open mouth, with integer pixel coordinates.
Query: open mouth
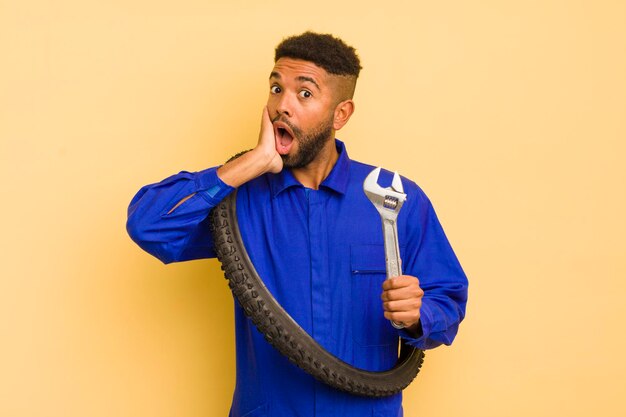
(284, 138)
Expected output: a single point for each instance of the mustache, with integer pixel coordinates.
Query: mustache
(295, 129)
(279, 117)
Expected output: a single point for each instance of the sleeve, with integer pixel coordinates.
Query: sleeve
(431, 259)
(175, 232)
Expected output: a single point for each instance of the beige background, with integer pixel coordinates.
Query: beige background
(510, 114)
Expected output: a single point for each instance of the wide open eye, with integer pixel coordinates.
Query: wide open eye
(305, 94)
(275, 89)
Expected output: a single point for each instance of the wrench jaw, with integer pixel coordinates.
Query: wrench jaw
(388, 201)
(396, 183)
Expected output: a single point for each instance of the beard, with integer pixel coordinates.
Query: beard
(310, 144)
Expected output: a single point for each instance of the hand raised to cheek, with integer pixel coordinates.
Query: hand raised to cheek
(267, 144)
(263, 158)
(402, 300)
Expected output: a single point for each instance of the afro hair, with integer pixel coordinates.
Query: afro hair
(324, 50)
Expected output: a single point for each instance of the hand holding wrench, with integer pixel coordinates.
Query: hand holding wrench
(388, 201)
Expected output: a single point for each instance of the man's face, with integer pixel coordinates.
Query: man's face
(301, 106)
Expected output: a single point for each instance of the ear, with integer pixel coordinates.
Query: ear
(343, 111)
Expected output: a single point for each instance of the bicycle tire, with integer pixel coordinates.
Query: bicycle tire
(284, 333)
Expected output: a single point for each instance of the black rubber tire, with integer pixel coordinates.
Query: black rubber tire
(282, 332)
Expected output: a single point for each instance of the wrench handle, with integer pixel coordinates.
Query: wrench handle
(392, 254)
(392, 248)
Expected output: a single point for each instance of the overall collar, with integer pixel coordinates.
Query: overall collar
(336, 181)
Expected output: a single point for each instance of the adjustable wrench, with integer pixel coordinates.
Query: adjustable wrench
(388, 201)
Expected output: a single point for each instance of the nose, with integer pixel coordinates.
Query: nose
(284, 106)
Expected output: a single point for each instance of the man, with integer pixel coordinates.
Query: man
(315, 240)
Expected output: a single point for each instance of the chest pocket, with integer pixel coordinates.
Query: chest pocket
(369, 325)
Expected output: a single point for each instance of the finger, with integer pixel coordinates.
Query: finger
(400, 282)
(391, 283)
(402, 305)
(407, 318)
(404, 293)
(267, 129)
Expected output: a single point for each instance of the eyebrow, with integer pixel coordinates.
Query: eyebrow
(301, 78)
